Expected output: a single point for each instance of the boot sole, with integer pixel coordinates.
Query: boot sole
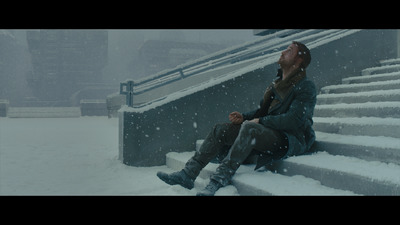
(165, 177)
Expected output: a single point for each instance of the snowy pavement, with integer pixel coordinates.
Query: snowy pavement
(79, 156)
(75, 156)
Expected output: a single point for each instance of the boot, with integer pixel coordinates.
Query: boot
(180, 178)
(210, 189)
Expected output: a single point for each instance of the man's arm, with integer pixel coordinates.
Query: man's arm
(253, 114)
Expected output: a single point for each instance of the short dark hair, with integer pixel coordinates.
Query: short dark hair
(303, 53)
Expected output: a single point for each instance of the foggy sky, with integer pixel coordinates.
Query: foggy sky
(122, 56)
(123, 45)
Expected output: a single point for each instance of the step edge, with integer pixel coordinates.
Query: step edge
(365, 120)
(350, 164)
(341, 179)
(247, 188)
(360, 85)
(360, 140)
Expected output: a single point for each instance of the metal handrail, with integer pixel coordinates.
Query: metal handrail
(261, 47)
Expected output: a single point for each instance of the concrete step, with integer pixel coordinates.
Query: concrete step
(367, 109)
(261, 182)
(381, 69)
(371, 78)
(370, 148)
(44, 112)
(362, 87)
(387, 62)
(359, 97)
(345, 173)
(369, 126)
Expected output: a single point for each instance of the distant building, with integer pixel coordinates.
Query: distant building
(65, 61)
(14, 64)
(157, 55)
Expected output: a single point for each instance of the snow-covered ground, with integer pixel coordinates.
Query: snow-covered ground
(79, 156)
(75, 156)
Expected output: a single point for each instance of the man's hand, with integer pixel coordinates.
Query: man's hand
(236, 117)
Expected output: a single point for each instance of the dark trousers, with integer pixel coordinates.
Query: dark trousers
(243, 139)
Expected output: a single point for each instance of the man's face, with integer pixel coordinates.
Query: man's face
(288, 56)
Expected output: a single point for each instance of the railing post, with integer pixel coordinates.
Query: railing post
(181, 73)
(127, 89)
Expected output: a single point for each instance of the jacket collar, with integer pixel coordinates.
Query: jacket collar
(277, 92)
(283, 87)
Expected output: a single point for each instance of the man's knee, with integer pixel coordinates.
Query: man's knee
(219, 130)
(225, 132)
(249, 128)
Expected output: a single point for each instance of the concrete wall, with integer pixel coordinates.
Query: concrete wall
(349, 55)
(146, 137)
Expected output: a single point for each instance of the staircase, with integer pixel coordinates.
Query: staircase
(357, 151)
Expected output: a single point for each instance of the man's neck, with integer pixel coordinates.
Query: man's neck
(286, 72)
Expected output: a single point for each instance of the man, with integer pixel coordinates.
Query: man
(280, 128)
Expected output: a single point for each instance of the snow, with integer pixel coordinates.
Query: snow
(371, 70)
(380, 171)
(279, 184)
(381, 75)
(372, 121)
(362, 85)
(379, 142)
(361, 94)
(261, 181)
(79, 156)
(75, 156)
(390, 61)
(366, 105)
(44, 112)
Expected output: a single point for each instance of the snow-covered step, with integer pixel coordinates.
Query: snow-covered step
(371, 78)
(378, 85)
(387, 62)
(370, 148)
(370, 126)
(250, 182)
(44, 112)
(367, 109)
(346, 173)
(381, 69)
(360, 97)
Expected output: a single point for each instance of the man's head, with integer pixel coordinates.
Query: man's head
(297, 55)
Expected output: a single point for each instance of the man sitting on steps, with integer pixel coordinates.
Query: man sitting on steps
(280, 128)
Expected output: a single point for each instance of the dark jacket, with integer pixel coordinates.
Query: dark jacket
(291, 115)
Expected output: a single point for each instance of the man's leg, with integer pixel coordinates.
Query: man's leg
(251, 136)
(220, 135)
